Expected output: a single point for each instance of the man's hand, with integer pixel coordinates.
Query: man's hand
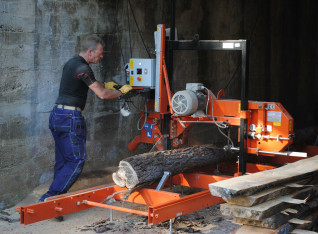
(110, 85)
(125, 89)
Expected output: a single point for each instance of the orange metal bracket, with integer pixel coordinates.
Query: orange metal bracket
(167, 85)
(220, 94)
(96, 204)
(182, 206)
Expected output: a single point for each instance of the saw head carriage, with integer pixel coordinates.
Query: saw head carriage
(264, 128)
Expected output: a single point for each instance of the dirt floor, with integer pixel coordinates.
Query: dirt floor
(97, 220)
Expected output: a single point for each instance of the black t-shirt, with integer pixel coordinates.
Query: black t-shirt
(76, 77)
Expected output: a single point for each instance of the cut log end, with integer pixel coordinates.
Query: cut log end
(125, 176)
(118, 180)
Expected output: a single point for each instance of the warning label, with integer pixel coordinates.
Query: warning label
(274, 116)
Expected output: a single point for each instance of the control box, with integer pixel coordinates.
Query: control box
(141, 72)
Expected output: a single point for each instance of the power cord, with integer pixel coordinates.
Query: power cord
(250, 38)
(219, 124)
(132, 11)
(118, 36)
(129, 29)
(145, 121)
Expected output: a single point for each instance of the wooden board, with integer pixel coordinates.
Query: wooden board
(254, 183)
(279, 219)
(266, 195)
(246, 229)
(269, 208)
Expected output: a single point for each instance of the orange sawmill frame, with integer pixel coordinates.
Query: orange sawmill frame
(162, 205)
(165, 205)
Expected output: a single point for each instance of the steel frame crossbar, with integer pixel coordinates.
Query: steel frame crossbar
(162, 205)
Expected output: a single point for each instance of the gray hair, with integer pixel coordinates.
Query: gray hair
(90, 42)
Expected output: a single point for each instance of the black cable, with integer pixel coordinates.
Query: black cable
(112, 45)
(118, 36)
(236, 70)
(250, 38)
(129, 28)
(132, 11)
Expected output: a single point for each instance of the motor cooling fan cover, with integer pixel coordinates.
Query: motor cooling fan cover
(184, 102)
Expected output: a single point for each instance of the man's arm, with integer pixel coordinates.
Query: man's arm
(103, 93)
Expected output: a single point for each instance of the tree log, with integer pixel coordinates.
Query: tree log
(147, 168)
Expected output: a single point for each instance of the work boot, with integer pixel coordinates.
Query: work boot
(59, 218)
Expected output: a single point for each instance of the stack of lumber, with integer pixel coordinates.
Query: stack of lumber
(271, 198)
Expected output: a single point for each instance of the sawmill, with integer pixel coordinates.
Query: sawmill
(257, 166)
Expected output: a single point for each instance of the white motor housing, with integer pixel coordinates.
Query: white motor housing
(189, 101)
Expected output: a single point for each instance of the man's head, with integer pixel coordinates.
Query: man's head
(92, 49)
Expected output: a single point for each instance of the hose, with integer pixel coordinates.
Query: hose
(219, 124)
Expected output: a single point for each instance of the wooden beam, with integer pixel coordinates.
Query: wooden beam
(269, 208)
(254, 183)
(278, 219)
(266, 195)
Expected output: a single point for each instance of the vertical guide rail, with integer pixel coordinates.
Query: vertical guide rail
(169, 51)
(244, 105)
(169, 68)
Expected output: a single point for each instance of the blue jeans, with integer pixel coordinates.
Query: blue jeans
(68, 128)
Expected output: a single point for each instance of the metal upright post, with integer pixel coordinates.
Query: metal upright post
(170, 226)
(244, 105)
(111, 215)
(169, 63)
(169, 51)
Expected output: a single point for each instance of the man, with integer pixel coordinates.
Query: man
(66, 122)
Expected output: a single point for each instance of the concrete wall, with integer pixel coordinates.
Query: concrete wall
(39, 36)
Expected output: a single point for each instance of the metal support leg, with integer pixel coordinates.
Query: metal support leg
(111, 216)
(163, 180)
(170, 227)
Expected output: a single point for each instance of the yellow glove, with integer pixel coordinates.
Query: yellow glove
(110, 85)
(125, 89)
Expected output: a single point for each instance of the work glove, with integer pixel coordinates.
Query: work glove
(110, 85)
(125, 89)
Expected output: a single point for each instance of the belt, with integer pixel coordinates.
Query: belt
(60, 106)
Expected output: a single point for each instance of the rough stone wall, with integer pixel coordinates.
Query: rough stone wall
(38, 36)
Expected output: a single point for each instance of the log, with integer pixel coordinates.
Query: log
(147, 168)
(257, 182)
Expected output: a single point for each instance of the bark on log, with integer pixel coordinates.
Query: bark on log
(147, 168)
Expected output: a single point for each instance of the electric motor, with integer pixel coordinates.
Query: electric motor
(189, 101)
